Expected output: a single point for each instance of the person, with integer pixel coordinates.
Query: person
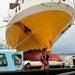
(44, 60)
(26, 67)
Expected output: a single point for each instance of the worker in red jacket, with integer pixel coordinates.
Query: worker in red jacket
(44, 60)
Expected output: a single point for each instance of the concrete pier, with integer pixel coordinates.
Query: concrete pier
(51, 71)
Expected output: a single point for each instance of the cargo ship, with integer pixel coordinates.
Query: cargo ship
(34, 26)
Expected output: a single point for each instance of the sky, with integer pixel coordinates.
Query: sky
(65, 44)
(4, 6)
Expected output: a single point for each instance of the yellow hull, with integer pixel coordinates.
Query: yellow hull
(38, 31)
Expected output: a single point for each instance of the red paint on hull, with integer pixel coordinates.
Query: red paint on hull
(37, 55)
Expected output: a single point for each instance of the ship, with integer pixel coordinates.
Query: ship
(34, 26)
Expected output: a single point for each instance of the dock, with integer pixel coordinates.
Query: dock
(50, 71)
